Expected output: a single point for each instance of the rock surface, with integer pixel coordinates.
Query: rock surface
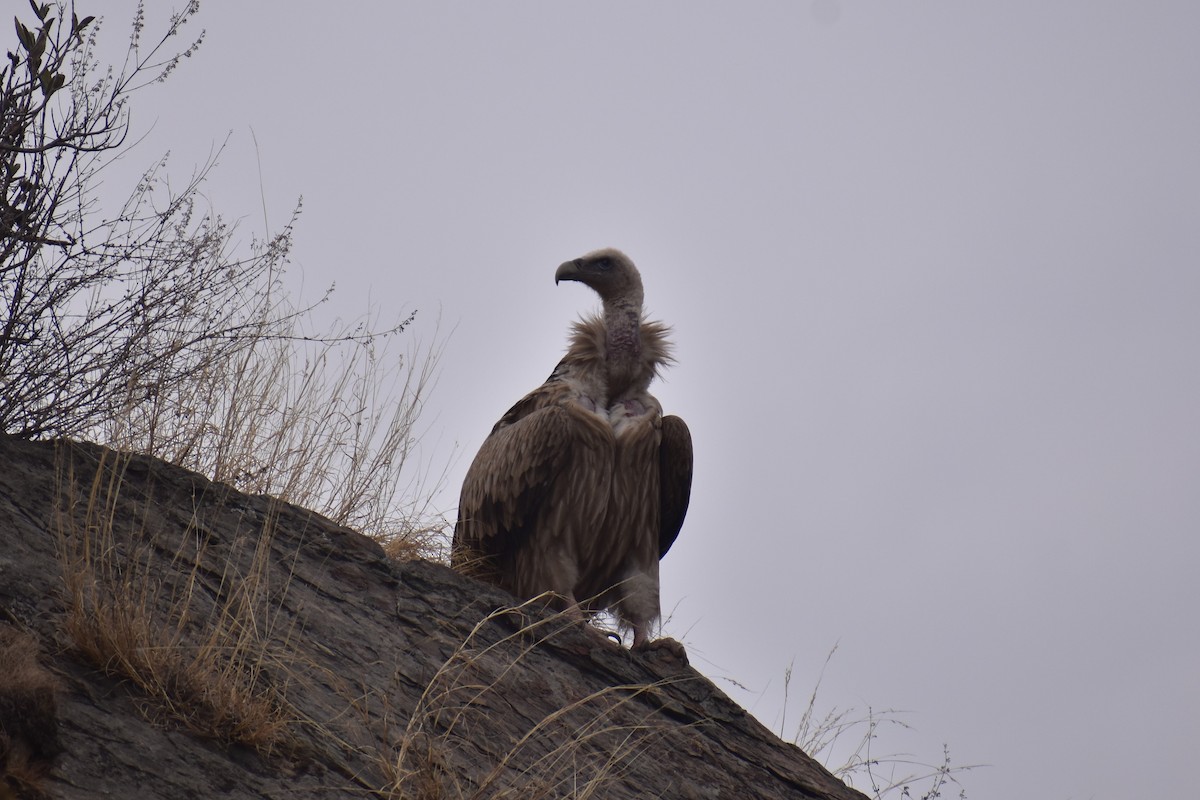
(377, 678)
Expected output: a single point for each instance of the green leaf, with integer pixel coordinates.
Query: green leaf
(42, 37)
(24, 35)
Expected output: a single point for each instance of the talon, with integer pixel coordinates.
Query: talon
(666, 645)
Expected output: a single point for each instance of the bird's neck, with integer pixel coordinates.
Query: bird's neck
(623, 341)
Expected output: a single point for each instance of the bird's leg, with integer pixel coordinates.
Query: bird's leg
(641, 638)
(572, 609)
(574, 612)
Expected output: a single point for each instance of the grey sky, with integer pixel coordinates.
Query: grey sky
(933, 269)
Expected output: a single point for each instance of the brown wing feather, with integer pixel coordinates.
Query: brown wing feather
(675, 479)
(539, 483)
(509, 476)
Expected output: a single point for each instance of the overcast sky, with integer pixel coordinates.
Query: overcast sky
(933, 270)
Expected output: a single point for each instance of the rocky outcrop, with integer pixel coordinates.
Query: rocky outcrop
(192, 641)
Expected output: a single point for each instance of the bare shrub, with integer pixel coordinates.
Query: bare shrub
(91, 301)
(148, 329)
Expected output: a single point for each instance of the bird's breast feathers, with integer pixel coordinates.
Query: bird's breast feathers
(634, 412)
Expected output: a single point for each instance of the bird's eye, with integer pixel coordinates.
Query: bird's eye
(604, 263)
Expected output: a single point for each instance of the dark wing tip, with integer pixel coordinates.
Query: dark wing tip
(675, 480)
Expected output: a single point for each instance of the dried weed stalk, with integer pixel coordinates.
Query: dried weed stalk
(194, 635)
(574, 752)
(851, 738)
(147, 328)
(29, 740)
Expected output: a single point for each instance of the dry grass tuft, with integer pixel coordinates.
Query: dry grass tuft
(573, 752)
(327, 422)
(195, 639)
(28, 716)
(846, 742)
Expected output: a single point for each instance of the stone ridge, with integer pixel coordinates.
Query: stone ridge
(385, 678)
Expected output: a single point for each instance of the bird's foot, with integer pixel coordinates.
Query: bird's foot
(575, 613)
(657, 648)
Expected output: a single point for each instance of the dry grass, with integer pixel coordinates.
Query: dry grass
(573, 752)
(149, 327)
(28, 716)
(193, 622)
(201, 653)
(329, 423)
(852, 738)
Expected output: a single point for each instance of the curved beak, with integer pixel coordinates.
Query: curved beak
(568, 271)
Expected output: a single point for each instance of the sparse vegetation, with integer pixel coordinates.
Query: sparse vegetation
(203, 653)
(145, 328)
(846, 741)
(330, 426)
(197, 624)
(571, 753)
(28, 716)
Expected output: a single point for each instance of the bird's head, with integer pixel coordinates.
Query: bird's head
(609, 272)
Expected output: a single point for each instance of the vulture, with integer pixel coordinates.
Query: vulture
(582, 486)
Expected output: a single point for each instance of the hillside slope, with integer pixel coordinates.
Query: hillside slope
(206, 643)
